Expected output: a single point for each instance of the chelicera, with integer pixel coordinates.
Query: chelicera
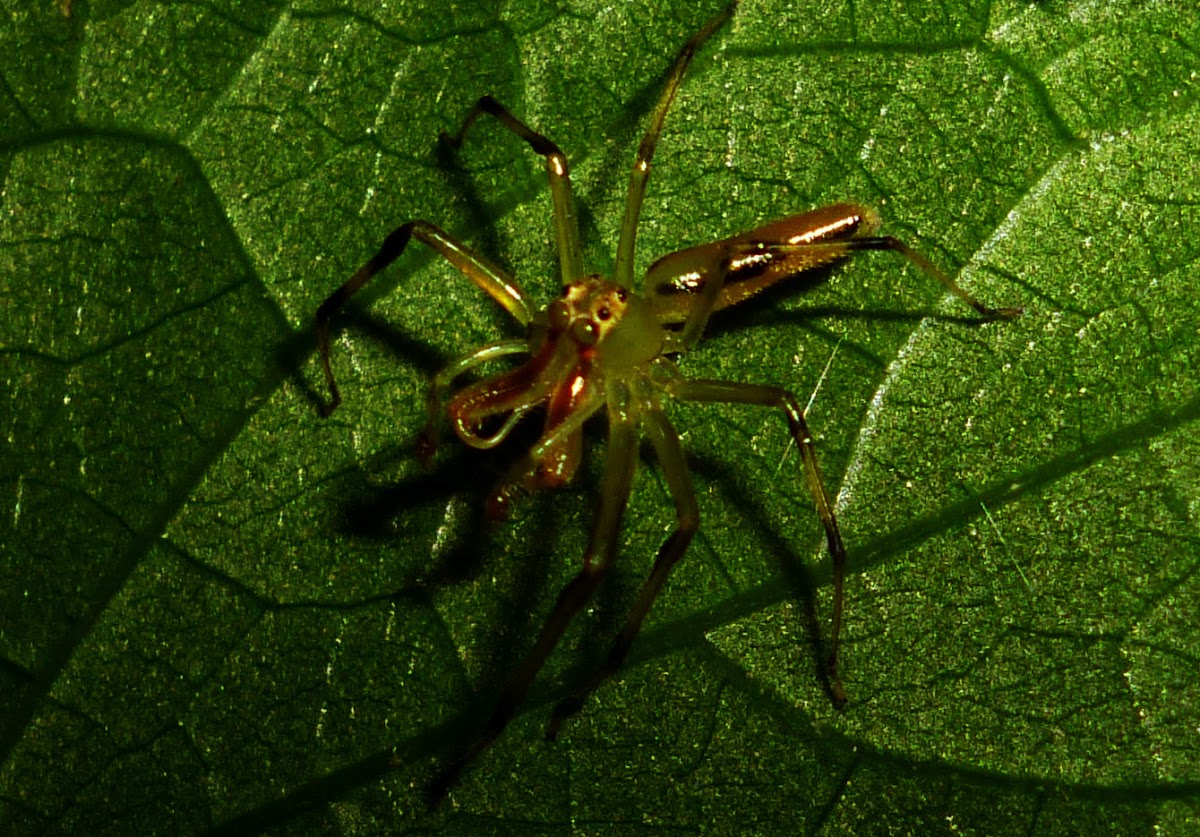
(602, 347)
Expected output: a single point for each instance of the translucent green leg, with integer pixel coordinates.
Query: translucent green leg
(768, 396)
(487, 277)
(641, 166)
(616, 483)
(566, 225)
(687, 513)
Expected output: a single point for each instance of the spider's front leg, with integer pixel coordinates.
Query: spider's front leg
(558, 173)
(489, 278)
(640, 175)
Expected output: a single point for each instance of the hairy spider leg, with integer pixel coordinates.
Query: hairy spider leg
(489, 278)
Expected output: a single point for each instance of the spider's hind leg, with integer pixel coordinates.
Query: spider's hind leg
(669, 450)
(729, 392)
(617, 482)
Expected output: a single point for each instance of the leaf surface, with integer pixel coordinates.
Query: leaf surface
(222, 613)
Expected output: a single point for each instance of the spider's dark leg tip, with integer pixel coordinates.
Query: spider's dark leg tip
(448, 146)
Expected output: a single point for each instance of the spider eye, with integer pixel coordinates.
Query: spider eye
(622, 295)
(603, 314)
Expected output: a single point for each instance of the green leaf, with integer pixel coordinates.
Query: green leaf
(221, 612)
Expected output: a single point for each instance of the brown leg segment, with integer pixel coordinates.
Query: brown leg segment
(767, 396)
(487, 277)
(617, 482)
(566, 224)
(670, 457)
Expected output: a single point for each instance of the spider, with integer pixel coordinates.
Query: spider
(603, 347)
